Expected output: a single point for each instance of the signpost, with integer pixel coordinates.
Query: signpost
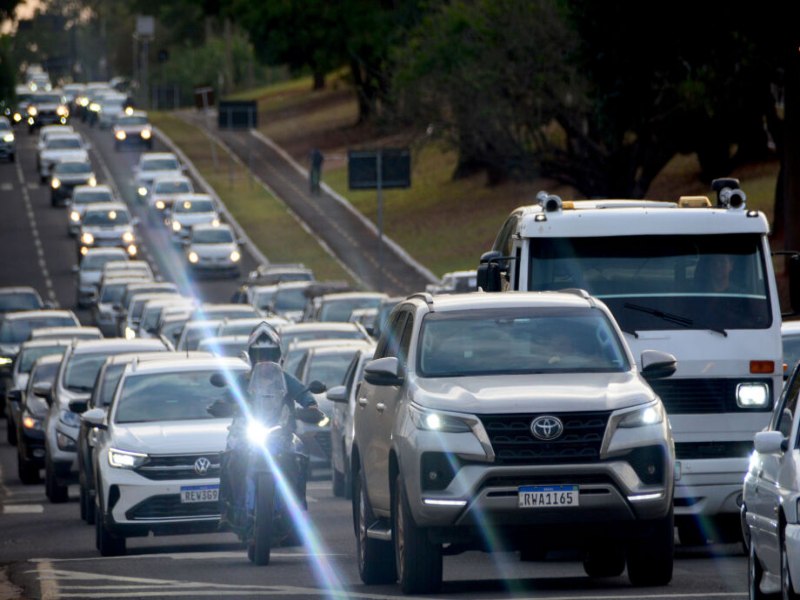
(384, 168)
(145, 32)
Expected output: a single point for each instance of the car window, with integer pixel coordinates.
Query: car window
(328, 368)
(173, 187)
(29, 355)
(787, 405)
(90, 196)
(212, 236)
(18, 330)
(19, 301)
(107, 217)
(73, 168)
(161, 164)
(405, 340)
(194, 206)
(107, 384)
(95, 262)
(63, 144)
(294, 299)
(390, 341)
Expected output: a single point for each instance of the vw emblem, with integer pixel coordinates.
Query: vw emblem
(202, 465)
(547, 428)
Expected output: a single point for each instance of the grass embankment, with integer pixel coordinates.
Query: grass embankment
(265, 218)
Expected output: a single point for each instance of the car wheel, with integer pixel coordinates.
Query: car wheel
(787, 586)
(691, 533)
(604, 561)
(348, 481)
(261, 543)
(27, 470)
(108, 544)
(418, 561)
(42, 178)
(83, 503)
(376, 563)
(755, 573)
(338, 483)
(56, 492)
(650, 558)
(12, 157)
(11, 431)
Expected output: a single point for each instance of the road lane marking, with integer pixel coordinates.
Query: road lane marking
(48, 586)
(22, 509)
(7, 187)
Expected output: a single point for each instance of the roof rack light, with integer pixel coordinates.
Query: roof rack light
(729, 195)
(549, 202)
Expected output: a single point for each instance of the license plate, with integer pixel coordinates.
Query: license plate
(199, 493)
(548, 496)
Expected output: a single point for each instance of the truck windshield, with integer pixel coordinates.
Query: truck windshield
(712, 282)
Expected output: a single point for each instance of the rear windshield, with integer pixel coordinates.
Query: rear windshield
(19, 330)
(339, 310)
(173, 187)
(107, 217)
(19, 301)
(112, 293)
(294, 299)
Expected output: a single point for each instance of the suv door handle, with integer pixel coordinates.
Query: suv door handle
(380, 406)
(362, 401)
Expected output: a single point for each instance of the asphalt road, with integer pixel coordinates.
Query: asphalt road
(49, 553)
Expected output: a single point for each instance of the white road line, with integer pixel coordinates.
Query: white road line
(22, 509)
(7, 187)
(47, 586)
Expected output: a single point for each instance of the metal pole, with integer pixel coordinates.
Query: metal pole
(210, 139)
(250, 146)
(379, 165)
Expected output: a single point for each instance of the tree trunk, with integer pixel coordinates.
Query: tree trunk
(364, 108)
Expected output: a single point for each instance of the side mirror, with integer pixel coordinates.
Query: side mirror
(43, 390)
(78, 406)
(770, 442)
(337, 394)
(317, 387)
(95, 418)
(658, 365)
(383, 371)
(221, 409)
(490, 271)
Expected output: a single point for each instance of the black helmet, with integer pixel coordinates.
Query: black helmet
(264, 344)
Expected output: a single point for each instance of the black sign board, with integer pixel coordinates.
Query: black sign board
(237, 114)
(362, 168)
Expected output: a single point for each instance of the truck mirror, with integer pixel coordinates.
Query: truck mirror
(490, 271)
(793, 267)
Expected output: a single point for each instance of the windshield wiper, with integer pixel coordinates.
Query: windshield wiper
(665, 316)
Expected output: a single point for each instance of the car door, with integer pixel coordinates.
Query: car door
(769, 477)
(374, 422)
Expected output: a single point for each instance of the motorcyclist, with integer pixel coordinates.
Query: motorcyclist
(266, 382)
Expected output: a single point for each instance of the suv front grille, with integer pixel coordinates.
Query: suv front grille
(513, 442)
(169, 506)
(178, 466)
(703, 396)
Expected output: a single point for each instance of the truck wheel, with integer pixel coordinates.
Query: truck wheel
(56, 492)
(755, 573)
(650, 557)
(27, 470)
(606, 561)
(418, 560)
(376, 563)
(262, 525)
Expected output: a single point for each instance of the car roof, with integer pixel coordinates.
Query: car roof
(483, 300)
(351, 296)
(16, 289)
(156, 155)
(66, 330)
(100, 187)
(790, 327)
(136, 344)
(318, 326)
(48, 343)
(330, 343)
(151, 356)
(200, 323)
(38, 314)
(184, 364)
(104, 251)
(212, 227)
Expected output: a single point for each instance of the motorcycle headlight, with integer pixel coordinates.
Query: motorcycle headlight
(55, 183)
(8, 138)
(752, 395)
(121, 135)
(430, 420)
(75, 216)
(258, 433)
(128, 237)
(324, 422)
(69, 418)
(652, 414)
(235, 256)
(122, 459)
(87, 238)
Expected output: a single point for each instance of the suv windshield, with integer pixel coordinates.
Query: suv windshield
(179, 396)
(82, 370)
(662, 282)
(106, 217)
(519, 341)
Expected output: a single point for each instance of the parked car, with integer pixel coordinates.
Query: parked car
(770, 496)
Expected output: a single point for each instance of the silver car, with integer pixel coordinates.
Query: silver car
(108, 224)
(213, 248)
(771, 492)
(520, 414)
(82, 196)
(153, 165)
(188, 211)
(90, 269)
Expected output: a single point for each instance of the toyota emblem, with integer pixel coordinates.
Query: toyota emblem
(202, 465)
(547, 428)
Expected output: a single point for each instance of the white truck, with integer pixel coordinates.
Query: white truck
(687, 278)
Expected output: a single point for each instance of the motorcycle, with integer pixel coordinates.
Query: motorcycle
(272, 465)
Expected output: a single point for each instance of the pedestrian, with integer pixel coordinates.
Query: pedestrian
(315, 174)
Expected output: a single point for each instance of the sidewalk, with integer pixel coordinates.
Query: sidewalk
(349, 235)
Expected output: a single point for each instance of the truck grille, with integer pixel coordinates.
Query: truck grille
(513, 442)
(699, 396)
(697, 450)
(179, 466)
(169, 506)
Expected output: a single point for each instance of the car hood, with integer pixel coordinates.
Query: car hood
(149, 176)
(55, 155)
(195, 218)
(213, 250)
(532, 393)
(106, 232)
(172, 437)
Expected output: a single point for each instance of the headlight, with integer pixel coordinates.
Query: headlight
(55, 183)
(75, 216)
(146, 134)
(752, 395)
(193, 258)
(129, 333)
(132, 250)
(430, 420)
(120, 135)
(94, 107)
(87, 238)
(69, 418)
(31, 422)
(258, 433)
(5, 361)
(65, 442)
(176, 227)
(128, 237)
(122, 459)
(142, 190)
(235, 256)
(17, 117)
(651, 414)
(62, 111)
(8, 138)
(92, 181)
(83, 101)
(160, 205)
(32, 111)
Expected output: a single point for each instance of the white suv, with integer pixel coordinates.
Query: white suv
(157, 458)
(522, 416)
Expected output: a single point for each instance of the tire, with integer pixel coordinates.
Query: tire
(56, 492)
(787, 586)
(263, 520)
(83, 503)
(650, 558)
(376, 564)
(690, 532)
(754, 576)
(604, 561)
(108, 544)
(418, 561)
(11, 431)
(338, 483)
(12, 157)
(348, 481)
(27, 470)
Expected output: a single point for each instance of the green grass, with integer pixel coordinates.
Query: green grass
(264, 217)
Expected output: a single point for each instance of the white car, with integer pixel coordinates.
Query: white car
(188, 211)
(771, 492)
(213, 249)
(82, 196)
(90, 270)
(157, 457)
(153, 165)
(163, 193)
(58, 147)
(108, 224)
